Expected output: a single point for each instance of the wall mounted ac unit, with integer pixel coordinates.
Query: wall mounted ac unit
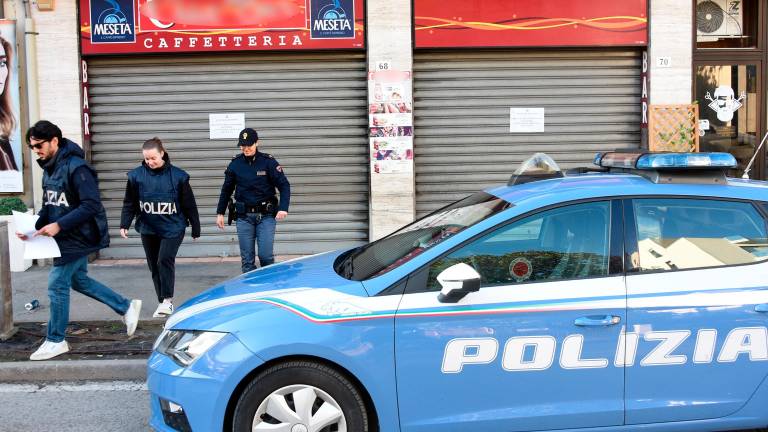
(718, 19)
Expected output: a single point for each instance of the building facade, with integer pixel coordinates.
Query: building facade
(382, 111)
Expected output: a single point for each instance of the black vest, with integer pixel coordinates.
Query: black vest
(159, 204)
(60, 198)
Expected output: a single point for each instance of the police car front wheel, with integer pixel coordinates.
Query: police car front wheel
(301, 396)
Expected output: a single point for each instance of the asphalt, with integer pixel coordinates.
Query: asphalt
(132, 279)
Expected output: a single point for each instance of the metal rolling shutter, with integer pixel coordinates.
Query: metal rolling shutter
(462, 99)
(309, 110)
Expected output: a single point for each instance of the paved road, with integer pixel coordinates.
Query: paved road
(82, 407)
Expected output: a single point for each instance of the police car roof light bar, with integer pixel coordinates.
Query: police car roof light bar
(665, 161)
(686, 161)
(616, 159)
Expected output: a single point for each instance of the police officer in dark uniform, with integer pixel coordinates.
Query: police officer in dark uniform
(254, 176)
(158, 194)
(73, 215)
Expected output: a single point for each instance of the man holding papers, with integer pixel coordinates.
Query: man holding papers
(73, 215)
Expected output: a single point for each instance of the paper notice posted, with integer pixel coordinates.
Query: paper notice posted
(35, 247)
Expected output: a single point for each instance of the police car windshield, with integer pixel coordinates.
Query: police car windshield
(403, 245)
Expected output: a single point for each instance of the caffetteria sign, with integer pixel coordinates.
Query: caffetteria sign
(135, 26)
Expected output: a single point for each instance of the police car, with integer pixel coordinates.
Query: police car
(631, 296)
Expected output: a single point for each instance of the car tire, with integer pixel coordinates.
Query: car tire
(278, 394)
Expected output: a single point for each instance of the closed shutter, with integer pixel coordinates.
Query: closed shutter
(462, 104)
(309, 110)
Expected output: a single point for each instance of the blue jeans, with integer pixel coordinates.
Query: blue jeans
(251, 229)
(75, 275)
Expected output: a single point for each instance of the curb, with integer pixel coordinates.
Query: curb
(74, 370)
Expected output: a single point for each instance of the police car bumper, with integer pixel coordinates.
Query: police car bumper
(195, 398)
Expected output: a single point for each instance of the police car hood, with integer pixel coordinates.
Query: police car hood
(303, 274)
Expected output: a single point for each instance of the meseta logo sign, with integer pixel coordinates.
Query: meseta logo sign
(112, 21)
(332, 19)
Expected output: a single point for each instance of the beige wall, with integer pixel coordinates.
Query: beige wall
(58, 67)
(670, 30)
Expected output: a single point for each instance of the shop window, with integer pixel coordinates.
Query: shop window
(726, 23)
(676, 234)
(728, 103)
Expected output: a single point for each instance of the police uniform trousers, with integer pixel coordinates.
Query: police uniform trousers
(161, 259)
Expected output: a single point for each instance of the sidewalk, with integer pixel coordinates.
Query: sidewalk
(132, 279)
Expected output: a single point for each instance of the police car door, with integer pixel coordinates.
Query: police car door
(697, 303)
(534, 348)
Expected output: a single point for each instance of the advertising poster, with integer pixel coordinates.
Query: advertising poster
(145, 26)
(392, 154)
(390, 113)
(11, 179)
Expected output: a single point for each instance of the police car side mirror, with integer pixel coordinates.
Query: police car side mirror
(457, 280)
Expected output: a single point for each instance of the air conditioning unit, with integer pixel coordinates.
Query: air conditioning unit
(717, 19)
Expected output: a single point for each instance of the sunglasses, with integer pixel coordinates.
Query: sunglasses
(38, 146)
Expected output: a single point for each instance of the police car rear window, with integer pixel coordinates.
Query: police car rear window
(403, 245)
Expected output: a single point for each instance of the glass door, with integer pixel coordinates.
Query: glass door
(729, 108)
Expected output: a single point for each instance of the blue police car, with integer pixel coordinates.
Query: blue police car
(631, 296)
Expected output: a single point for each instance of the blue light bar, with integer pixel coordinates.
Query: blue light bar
(685, 161)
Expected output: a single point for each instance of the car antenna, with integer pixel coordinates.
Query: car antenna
(751, 161)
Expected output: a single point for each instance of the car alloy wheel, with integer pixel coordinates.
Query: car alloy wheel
(301, 396)
(299, 408)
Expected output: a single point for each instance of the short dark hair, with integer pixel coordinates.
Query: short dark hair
(153, 144)
(44, 130)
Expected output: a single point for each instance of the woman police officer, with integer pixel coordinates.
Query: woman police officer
(158, 194)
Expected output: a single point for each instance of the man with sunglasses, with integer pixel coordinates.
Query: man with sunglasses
(73, 215)
(254, 176)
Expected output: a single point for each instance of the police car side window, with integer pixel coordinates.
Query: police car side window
(677, 234)
(563, 243)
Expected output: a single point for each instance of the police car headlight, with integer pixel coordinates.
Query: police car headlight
(184, 346)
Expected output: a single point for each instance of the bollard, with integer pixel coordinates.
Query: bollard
(6, 299)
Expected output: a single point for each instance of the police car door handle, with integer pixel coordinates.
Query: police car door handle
(763, 307)
(597, 321)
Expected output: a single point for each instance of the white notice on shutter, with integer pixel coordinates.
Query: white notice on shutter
(226, 125)
(526, 120)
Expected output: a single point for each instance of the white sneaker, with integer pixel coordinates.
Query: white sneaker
(163, 310)
(50, 350)
(131, 317)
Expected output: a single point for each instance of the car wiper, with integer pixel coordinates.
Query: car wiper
(349, 267)
(346, 267)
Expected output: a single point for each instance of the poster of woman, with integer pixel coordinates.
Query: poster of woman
(10, 135)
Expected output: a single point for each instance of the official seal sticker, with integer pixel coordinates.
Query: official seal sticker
(520, 269)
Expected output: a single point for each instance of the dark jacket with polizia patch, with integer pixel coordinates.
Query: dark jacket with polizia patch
(71, 199)
(162, 201)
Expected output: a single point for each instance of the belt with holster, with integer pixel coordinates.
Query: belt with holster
(266, 207)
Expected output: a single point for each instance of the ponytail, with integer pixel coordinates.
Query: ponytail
(154, 144)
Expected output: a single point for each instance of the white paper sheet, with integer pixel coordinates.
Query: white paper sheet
(35, 247)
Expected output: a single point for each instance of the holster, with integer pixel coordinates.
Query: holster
(232, 212)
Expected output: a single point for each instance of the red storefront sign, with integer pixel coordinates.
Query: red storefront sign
(147, 26)
(514, 23)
